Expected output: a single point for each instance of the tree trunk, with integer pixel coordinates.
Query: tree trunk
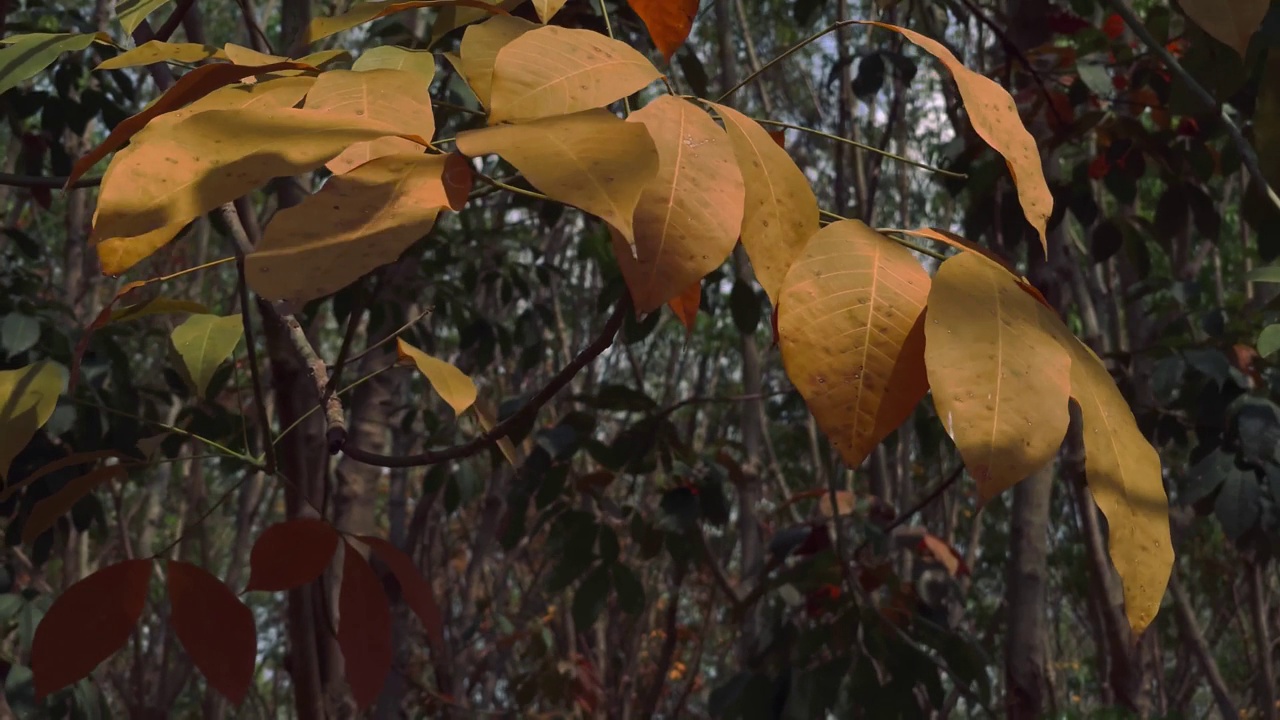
(1026, 673)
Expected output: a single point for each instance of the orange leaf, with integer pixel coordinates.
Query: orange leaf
(414, 588)
(668, 21)
(685, 305)
(364, 628)
(398, 98)
(479, 49)
(47, 511)
(88, 623)
(291, 553)
(192, 86)
(214, 627)
(779, 136)
(994, 116)
(360, 13)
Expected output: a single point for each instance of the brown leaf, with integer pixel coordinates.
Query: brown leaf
(87, 624)
(46, 512)
(668, 22)
(291, 553)
(214, 627)
(414, 588)
(364, 628)
(1231, 22)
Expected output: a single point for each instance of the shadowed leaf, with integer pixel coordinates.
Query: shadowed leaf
(291, 553)
(214, 627)
(364, 628)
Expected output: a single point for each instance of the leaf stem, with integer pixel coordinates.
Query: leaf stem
(785, 54)
(608, 27)
(904, 243)
(868, 148)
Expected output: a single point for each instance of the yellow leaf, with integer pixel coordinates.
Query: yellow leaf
(451, 383)
(480, 46)
(396, 98)
(591, 160)
(848, 328)
(154, 51)
(175, 172)
(1000, 376)
(547, 9)
(452, 17)
(781, 210)
(360, 13)
(1231, 22)
(354, 224)
(131, 13)
(28, 396)
(155, 306)
(557, 71)
(994, 116)
(487, 423)
(689, 215)
(1123, 472)
(241, 55)
(392, 57)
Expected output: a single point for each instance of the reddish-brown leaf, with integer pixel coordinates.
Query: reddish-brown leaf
(72, 460)
(685, 305)
(47, 511)
(364, 628)
(779, 136)
(214, 627)
(668, 21)
(942, 551)
(414, 588)
(290, 554)
(87, 623)
(189, 88)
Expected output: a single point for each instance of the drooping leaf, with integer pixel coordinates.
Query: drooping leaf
(479, 50)
(547, 9)
(71, 460)
(28, 396)
(414, 588)
(1124, 477)
(356, 223)
(994, 116)
(46, 512)
(204, 342)
(454, 386)
(452, 17)
(781, 210)
(132, 12)
(155, 51)
(87, 623)
(214, 627)
(364, 628)
(688, 217)
(1231, 22)
(360, 13)
(291, 553)
(22, 57)
(686, 304)
(189, 88)
(392, 57)
(1000, 376)
(553, 70)
(848, 329)
(397, 98)
(176, 172)
(668, 22)
(591, 160)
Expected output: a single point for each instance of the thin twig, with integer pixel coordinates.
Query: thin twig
(863, 146)
(525, 414)
(53, 182)
(259, 397)
(786, 54)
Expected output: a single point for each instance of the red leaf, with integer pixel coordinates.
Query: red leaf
(668, 21)
(290, 554)
(364, 628)
(414, 588)
(214, 627)
(88, 623)
(685, 305)
(1113, 26)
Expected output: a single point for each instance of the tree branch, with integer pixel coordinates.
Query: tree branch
(53, 182)
(174, 20)
(526, 413)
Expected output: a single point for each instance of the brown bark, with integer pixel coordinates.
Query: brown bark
(1026, 673)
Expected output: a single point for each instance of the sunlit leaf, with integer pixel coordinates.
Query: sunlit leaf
(781, 210)
(668, 22)
(848, 329)
(88, 623)
(1231, 22)
(204, 342)
(480, 46)
(391, 57)
(686, 304)
(553, 70)
(415, 590)
(397, 98)
(24, 56)
(994, 116)
(591, 160)
(360, 13)
(452, 384)
(28, 396)
(1000, 376)
(452, 17)
(291, 553)
(688, 217)
(547, 9)
(364, 628)
(46, 512)
(214, 627)
(132, 12)
(154, 51)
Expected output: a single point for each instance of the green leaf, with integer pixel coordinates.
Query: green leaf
(589, 600)
(19, 333)
(1269, 340)
(10, 604)
(24, 56)
(133, 12)
(1268, 274)
(203, 342)
(28, 396)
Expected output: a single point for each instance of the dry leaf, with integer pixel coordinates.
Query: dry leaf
(668, 22)
(479, 49)
(451, 383)
(1231, 22)
(686, 304)
(397, 98)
